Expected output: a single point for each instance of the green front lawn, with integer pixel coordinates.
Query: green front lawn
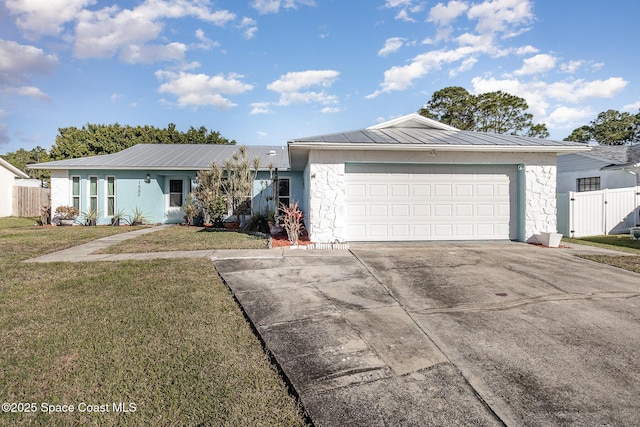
(163, 337)
(616, 242)
(181, 238)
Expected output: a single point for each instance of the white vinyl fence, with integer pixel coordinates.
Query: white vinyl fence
(593, 213)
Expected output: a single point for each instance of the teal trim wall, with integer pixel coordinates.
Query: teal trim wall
(263, 190)
(132, 192)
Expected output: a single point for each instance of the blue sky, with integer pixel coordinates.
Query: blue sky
(265, 71)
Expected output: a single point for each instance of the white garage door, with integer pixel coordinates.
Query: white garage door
(430, 202)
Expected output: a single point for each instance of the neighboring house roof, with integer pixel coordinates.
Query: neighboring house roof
(172, 157)
(618, 156)
(415, 132)
(14, 170)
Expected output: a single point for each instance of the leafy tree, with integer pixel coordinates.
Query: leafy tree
(581, 134)
(498, 112)
(454, 106)
(93, 139)
(21, 158)
(610, 127)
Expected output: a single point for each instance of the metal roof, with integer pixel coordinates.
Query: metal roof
(172, 157)
(429, 137)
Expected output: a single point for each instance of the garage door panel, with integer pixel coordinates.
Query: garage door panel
(378, 190)
(421, 190)
(430, 202)
(400, 190)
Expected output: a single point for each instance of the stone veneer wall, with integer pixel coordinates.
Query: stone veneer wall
(326, 175)
(540, 200)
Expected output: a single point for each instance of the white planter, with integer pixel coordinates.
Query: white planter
(550, 240)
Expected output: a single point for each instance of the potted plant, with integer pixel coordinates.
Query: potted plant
(90, 217)
(67, 214)
(138, 217)
(117, 217)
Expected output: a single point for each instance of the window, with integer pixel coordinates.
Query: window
(93, 193)
(589, 184)
(111, 195)
(284, 192)
(75, 192)
(175, 193)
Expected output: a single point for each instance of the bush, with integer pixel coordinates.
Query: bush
(67, 212)
(217, 211)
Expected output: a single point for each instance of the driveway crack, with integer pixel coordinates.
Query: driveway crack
(506, 305)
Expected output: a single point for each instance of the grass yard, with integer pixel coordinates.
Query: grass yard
(617, 242)
(180, 238)
(163, 337)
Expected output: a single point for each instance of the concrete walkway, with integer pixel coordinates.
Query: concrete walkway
(85, 252)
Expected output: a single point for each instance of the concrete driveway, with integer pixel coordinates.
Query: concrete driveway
(448, 333)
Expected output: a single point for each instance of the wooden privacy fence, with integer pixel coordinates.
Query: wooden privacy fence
(593, 213)
(27, 201)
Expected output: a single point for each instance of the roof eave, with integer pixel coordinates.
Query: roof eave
(141, 168)
(438, 147)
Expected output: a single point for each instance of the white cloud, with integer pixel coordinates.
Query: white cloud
(400, 78)
(260, 108)
(205, 42)
(262, 135)
(537, 64)
(273, 6)
(28, 91)
(105, 32)
(501, 15)
(290, 87)
(17, 63)
(330, 110)
(526, 50)
(444, 14)
(541, 95)
(568, 117)
(466, 65)
(578, 90)
(632, 107)
(391, 45)
(407, 7)
(571, 66)
(149, 54)
(196, 90)
(249, 27)
(45, 17)
(115, 97)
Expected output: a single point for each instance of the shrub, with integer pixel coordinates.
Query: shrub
(67, 212)
(291, 221)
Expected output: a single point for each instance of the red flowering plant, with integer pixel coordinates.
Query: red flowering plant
(291, 220)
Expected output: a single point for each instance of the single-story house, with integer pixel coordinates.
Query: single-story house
(8, 176)
(157, 178)
(410, 178)
(604, 166)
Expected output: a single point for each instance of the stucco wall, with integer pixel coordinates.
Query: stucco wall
(60, 189)
(6, 191)
(326, 171)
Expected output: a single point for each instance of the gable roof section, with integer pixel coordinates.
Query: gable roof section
(618, 156)
(172, 157)
(413, 120)
(14, 170)
(414, 131)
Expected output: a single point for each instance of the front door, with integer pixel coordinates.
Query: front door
(175, 196)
